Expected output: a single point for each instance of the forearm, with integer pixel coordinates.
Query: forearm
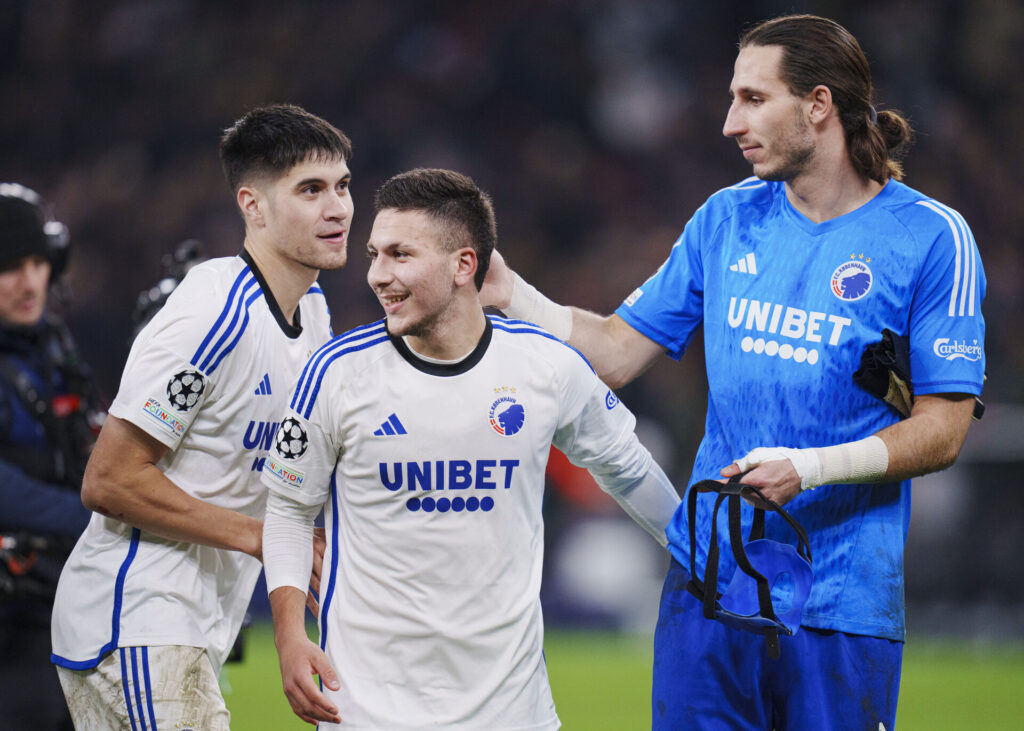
(927, 441)
(122, 481)
(148, 500)
(288, 543)
(617, 352)
(930, 440)
(651, 501)
(636, 482)
(287, 607)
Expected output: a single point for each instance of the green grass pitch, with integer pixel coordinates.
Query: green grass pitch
(602, 681)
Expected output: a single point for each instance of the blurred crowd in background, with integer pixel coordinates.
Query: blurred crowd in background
(595, 125)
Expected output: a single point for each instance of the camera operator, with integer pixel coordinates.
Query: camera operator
(48, 419)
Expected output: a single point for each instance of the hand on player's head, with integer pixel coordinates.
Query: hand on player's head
(497, 288)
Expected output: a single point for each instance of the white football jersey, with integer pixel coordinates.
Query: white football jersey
(432, 481)
(208, 377)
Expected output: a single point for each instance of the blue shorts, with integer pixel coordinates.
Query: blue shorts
(710, 676)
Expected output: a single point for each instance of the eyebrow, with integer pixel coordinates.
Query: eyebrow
(747, 91)
(320, 181)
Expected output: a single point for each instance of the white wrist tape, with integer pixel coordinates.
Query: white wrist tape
(862, 461)
(527, 303)
(865, 460)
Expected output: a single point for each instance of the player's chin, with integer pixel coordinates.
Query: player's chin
(326, 255)
(403, 327)
(333, 259)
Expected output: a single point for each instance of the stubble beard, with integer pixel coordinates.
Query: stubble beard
(797, 150)
(426, 326)
(323, 260)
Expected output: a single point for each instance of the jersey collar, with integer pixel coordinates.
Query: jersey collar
(445, 369)
(819, 229)
(292, 331)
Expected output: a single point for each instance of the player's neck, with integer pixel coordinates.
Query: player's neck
(830, 187)
(454, 336)
(288, 279)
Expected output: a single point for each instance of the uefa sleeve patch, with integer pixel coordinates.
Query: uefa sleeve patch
(174, 424)
(185, 388)
(284, 474)
(633, 297)
(291, 441)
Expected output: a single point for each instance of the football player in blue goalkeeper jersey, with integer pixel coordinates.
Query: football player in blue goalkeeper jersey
(792, 274)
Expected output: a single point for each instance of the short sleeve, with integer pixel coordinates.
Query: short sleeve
(161, 393)
(669, 307)
(947, 330)
(304, 453)
(164, 384)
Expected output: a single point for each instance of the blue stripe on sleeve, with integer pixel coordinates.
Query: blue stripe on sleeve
(517, 327)
(223, 314)
(308, 387)
(236, 314)
(245, 323)
(302, 386)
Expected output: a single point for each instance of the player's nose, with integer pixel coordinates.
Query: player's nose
(734, 125)
(339, 207)
(377, 275)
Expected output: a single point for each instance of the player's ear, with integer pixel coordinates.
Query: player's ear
(250, 203)
(820, 104)
(465, 266)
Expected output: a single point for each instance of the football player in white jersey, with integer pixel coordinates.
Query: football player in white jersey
(152, 598)
(424, 438)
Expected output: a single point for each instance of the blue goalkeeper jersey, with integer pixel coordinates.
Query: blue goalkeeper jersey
(788, 306)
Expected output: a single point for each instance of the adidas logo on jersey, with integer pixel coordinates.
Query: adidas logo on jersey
(263, 389)
(746, 265)
(390, 428)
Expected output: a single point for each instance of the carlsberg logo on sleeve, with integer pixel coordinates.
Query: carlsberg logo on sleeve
(953, 349)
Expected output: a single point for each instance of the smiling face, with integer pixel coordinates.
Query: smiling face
(766, 119)
(303, 216)
(23, 286)
(414, 275)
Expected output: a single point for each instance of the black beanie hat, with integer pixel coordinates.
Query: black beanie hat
(21, 230)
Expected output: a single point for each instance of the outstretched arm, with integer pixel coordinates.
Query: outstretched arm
(122, 481)
(617, 352)
(927, 441)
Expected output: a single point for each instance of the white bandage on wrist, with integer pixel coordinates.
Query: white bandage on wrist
(527, 303)
(862, 461)
(865, 460)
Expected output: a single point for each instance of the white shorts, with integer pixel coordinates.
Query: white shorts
(147, 689)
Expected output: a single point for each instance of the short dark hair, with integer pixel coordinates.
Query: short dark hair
(271, 140)
(454, 201)
(817, 51)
